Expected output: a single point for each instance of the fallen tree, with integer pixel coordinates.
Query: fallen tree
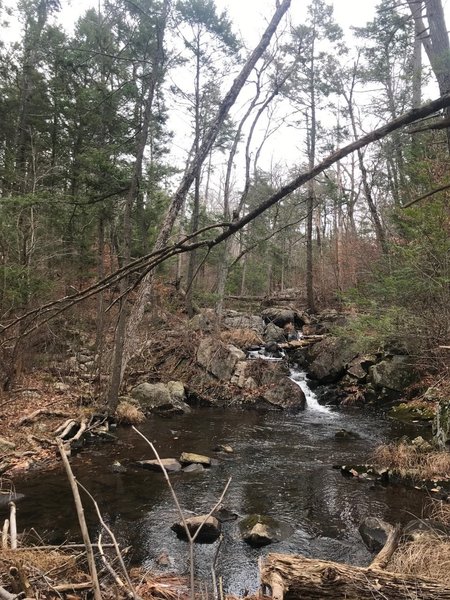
(294, 576)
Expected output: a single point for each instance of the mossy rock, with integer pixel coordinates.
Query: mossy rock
(411, 412)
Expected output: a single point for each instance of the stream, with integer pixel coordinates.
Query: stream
(281, 466)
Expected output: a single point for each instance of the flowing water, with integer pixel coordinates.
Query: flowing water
(281, 466)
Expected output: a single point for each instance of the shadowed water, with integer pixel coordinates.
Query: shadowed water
(281, 466)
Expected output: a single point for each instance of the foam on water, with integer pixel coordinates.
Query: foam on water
(299, 377)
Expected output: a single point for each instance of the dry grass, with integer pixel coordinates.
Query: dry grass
(428, 557)
(129, 414)
(407, 460)
(242, 338)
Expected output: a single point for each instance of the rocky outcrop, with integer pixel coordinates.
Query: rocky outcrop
(217, 358)
(208, 534)
(281, 316)
(236, 320)
(395, 373)
(274, 334)
(261, 530)
(161, 398)
(328, 360)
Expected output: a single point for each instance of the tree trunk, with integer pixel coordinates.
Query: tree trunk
(120, 333)
(295, 577)
(193, 171)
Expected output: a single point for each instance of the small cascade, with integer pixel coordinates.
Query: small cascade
(267, 355)
(299, 377)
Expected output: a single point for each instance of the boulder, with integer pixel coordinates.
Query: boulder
(329, 358)
(280, 316)
(274, 334)
(194, 468)
(359, 366)
(205, 320)
(161, 398)
(189, 458)
(170, 464)
(285, 394)
(225, 515)
(241, 378)
(395, 373)
(235, 320)
(217, 358)
(374, 532)
(209, 532)
(261, 530)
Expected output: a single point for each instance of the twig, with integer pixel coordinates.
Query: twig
(65, 587)
(82, 521)
(109, 568)
(12, 526)
(5, 534)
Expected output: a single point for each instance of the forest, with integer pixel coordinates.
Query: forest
(198, 213)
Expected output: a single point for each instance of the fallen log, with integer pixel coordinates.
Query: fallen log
(41, 412)
(296, 577)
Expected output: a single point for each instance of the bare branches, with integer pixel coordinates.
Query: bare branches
(146, 264)
(442, 188)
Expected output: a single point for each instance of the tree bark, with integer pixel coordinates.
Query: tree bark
(295, 577)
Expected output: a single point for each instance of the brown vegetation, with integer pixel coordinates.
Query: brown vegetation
(129, 414)
(410, 461)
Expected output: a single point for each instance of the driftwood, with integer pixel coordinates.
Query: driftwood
(293, 576)
(32, 417)
(5, 595)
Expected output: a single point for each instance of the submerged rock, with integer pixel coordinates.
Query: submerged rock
(261, 530)
(170, 464)
(193, 468)
(209, 532)
(225, 515)
(223, 448)
(345, 435)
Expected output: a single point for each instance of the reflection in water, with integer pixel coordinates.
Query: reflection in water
(282, 466)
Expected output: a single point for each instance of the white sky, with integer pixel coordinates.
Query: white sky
(249, 18)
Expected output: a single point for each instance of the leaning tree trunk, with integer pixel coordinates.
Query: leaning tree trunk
(191, 173)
